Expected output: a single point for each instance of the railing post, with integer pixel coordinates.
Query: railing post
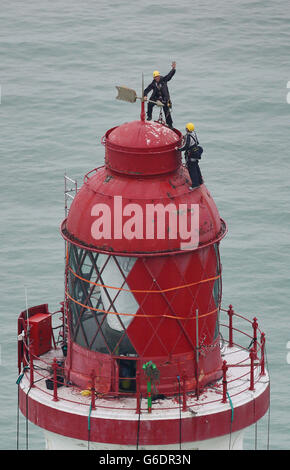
(230, 314)
(62, 317)
(149, 398)
(93, 396)
(252, 359)
(263, 353)
(54, 368)
(31, 370)
(149, 369)
(184, 405)
(255, 326)
(138, 404)
(224, 369)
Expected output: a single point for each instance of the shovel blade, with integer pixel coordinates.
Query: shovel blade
(126, 94)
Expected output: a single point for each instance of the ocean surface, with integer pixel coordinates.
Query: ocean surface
(60, 63)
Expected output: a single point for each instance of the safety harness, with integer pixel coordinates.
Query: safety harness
(194, 151)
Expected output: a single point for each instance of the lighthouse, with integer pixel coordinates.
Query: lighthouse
(141, 354)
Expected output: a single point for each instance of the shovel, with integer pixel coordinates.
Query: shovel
(129, 95)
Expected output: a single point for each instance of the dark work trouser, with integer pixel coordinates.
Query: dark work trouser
(194, 173)
(166, 110)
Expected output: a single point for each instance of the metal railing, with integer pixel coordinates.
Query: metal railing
(70, 190)
(253, 364)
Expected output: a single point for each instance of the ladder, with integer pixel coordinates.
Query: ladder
(70, 190)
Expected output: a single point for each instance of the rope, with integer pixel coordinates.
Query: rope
(268, 426)
(268, 430)
(89, 426)
(138, 425)
(232, 407)
(160, 291)
(26, 411)
(139, 315)
(26, 427)
(256, 434)
(17, 422)
(180, 421)
(232, 418)
(17, 425)
(254, 412)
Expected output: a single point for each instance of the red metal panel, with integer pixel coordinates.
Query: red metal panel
(43, 308)
(102, 189)
(40, 333)
(83, 363)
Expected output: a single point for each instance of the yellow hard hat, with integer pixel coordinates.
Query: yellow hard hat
(190, 126)
(156, 73)
(125, 384)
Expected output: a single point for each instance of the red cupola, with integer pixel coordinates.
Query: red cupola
(142, 265)
(141, 148)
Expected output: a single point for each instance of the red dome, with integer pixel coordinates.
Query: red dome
(142, 135)
(116, 193)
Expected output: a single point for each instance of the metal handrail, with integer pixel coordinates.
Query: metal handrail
(86, 177)
(30, 359)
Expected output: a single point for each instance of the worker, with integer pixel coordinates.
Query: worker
(193, 152)
(160, 93)
(126, 371)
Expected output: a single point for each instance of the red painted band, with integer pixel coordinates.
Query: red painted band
(151, 432)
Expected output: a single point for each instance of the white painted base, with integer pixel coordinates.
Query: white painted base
(71, 401)
(232, 441)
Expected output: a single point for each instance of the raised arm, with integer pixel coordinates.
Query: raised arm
(169, 76)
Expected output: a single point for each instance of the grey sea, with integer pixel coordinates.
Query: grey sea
(60, 63)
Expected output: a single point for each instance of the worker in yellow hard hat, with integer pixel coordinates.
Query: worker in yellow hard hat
(193, 152)
(160, 93)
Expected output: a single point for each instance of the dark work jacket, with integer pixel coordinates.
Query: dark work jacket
(191, 146)
(163, 87)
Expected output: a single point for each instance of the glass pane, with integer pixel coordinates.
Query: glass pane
(91, 326)
(80, 337)
(114, 275)
(125, 347)
(93, 334)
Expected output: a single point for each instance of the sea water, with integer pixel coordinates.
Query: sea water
(60, 63)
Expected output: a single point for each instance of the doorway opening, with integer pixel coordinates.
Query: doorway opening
(127, 375)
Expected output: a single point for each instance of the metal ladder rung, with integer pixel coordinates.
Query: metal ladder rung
(67, 191)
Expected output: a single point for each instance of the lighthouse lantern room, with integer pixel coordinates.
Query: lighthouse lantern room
(141, 354)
